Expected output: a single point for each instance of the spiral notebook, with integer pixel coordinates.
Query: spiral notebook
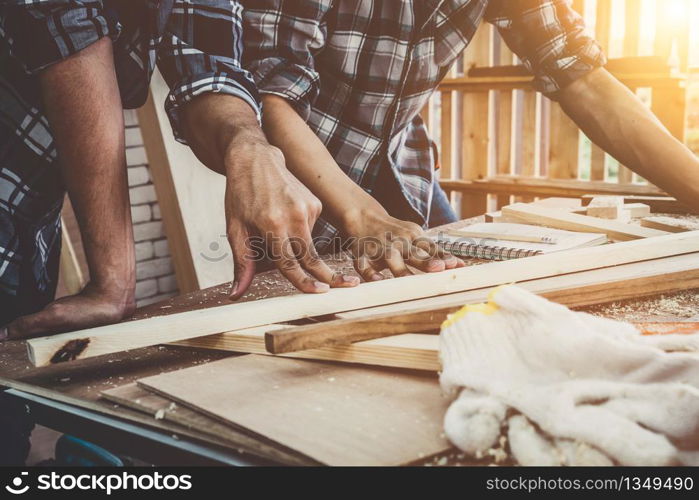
(497, 246)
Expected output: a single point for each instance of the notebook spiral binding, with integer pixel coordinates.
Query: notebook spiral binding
(464, 249)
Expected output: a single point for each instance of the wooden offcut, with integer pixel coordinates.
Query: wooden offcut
(670, 224)
(561, 219)
(157, 330)
(337, 415)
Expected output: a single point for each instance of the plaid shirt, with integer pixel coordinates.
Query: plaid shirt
(197, 46)
(360, 71)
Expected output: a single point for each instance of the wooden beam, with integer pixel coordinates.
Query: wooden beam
(561, 219)
(670, 224)
(568, 290)
(142, 333)
(545, 188)
(657, 204)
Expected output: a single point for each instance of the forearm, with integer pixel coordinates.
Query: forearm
(83, 106)
(617, 121)
(309, 160)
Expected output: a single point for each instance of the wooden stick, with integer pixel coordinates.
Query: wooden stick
(670, 224)
(573, 290)
(503, 237)
(573, 222)
(142, 333)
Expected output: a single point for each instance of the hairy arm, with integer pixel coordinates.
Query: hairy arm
(616, 120)
(262, 197)
(380, 240)
(84, 110)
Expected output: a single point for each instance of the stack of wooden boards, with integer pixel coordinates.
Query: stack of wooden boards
(343, 414)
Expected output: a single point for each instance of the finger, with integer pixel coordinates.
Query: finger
(285, 259)
(366, 270)
(313, 264)
(429, 246)
(396, 263)
(243, 259)
(421, 260)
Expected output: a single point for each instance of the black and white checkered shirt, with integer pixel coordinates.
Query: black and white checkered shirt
(197, 46)
(360, 71)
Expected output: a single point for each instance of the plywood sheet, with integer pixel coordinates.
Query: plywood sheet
(337, 415)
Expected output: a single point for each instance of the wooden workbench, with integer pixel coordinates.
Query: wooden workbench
(80, 383)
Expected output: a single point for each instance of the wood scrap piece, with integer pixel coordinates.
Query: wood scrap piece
(635, 210)
(668, 328)
(608, 207)
(573, 222)
(335, 414)
(141, 333)
(412, 351)
(657, 204)
(670, 224)
(134, 397)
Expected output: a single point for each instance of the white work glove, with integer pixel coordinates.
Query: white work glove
(573, 389)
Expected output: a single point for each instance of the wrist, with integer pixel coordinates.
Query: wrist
(243, 151)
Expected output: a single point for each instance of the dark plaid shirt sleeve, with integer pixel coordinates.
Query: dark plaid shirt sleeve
(550, 38)
(281, 40)
(201, 52)
(40, 33)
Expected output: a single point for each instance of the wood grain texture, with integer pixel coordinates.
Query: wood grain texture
(574, 222)
(669, 224)
(337, 415)
(402, 350)
(152, 331)
(657, 204)
(160, 408)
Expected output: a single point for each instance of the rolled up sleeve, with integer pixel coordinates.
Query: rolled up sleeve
(282, 38)
(550, 38)
(200, 53)
(43, 32)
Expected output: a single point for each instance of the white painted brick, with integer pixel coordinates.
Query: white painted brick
(136, 156)
(133, 137)
(167, 284)
(156, 212)
(130, 118)
(138, 176)
(161, 248)
(140, 213)
(154, 268)
(148, 231)
(146, 288)
(144, 251)
(152, 300)
(142, 194)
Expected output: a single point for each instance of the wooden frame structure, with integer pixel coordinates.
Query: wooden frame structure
(528, 136)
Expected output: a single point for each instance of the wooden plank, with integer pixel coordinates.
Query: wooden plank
(670, 224)
(134, 397)
(446, 133)
(428, 319)
(70, 274)
(414, 351)
(561, 219)
(337, 415)
(598, 286)
(546, 188)
(130, 335)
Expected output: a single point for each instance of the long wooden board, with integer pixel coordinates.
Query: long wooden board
(561, 219)
(134, 397)
(335, 414)
(130, 335)
(587, 288)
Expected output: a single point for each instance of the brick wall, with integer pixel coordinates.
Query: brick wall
(155, 278)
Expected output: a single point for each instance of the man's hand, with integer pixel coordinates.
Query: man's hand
(379, 241)
(91, 307)
(263, 198)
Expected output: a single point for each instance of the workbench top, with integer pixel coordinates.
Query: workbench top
(80, 383)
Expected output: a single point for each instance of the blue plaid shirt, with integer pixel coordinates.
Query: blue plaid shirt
(197, 46)
(360, 71)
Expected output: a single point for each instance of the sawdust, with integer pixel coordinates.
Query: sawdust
(679, 306)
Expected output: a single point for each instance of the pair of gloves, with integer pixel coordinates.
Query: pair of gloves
(568, 388)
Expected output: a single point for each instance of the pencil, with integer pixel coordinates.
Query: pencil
(506, 237)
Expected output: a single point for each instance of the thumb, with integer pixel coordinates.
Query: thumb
(243, 258)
